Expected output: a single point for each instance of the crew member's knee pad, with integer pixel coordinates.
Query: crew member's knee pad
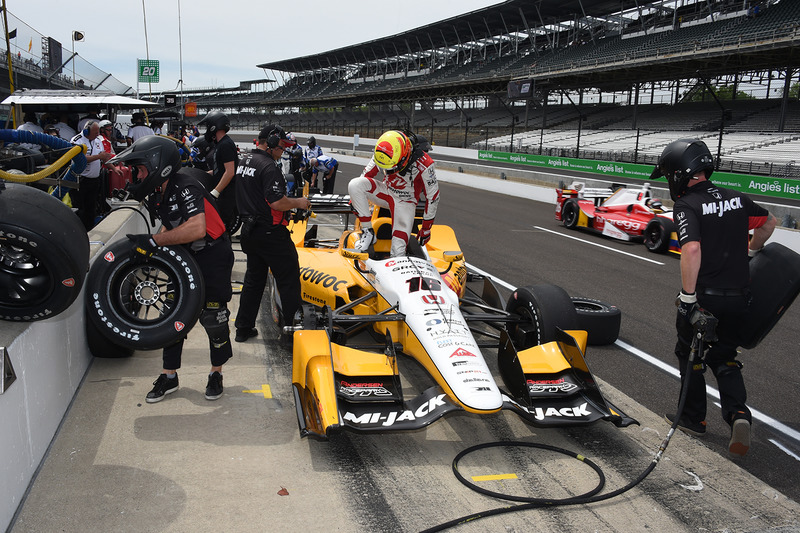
(214, 319)
(724, 368)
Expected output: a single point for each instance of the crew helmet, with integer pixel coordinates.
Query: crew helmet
(215, 121)
(392, 151)
(159, 155)
(680, 161)
(312, 142)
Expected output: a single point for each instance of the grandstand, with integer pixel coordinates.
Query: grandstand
(610, 80)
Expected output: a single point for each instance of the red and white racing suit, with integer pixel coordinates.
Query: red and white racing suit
(399, 193)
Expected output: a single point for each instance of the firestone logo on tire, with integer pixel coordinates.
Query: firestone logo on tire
(69, 282)
(109, 257)
(179, 326)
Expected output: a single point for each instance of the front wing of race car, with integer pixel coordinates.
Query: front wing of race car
(336, 386)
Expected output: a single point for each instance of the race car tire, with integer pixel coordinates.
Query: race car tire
(144, 304)
(600, 320)
(44, 254)
(657, 235)
(570, 213)
(544, 309)
(100, 346)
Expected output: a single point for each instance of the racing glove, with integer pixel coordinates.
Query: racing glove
(143, 244)
(686, 304)
(424, 233)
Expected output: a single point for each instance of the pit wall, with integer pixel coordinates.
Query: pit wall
(50, 359)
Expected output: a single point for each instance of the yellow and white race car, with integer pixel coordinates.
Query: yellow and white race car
(365, 317)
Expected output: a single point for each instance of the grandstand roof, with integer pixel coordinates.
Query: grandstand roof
(486, 23)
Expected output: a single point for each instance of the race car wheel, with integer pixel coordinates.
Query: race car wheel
(144, 304)
(600, 320)
(44, 254)
(542, 309)
(100, 346)
(657, 234)
(570, 213)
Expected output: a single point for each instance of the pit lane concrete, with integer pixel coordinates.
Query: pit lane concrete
(186, 464)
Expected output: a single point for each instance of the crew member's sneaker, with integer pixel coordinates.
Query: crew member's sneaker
(214, 387)
(740, 437)
(367, 238)
(161, 387)
(696, 429)
(245, 333)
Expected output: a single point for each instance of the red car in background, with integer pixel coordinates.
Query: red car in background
(623, 213)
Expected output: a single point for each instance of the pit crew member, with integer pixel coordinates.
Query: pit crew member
(264, 207)
(713, 226)
(324, 166)
(225, 160)
(190, 218)
(409, 177)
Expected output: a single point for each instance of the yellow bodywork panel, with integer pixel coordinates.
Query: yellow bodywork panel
(352, 362)
(548, 358)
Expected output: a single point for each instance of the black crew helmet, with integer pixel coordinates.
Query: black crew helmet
(215, 121)
(203, 147)
(680, 161)
(159, 155)
(312, 142)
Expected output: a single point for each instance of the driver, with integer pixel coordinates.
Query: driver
(409, 177)
(190, 218)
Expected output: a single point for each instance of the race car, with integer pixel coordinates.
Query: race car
(374, 327)
(625, 214)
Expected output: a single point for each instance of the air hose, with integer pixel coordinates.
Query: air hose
(589, 497)
(76, 154)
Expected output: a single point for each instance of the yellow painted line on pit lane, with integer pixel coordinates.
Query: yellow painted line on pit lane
(599, 245)
(265, 390)
(495, 477)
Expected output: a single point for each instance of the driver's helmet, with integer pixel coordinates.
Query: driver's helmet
(215, 121)
(680, 161)
(392, 151)
(654, 204)
(159, 155)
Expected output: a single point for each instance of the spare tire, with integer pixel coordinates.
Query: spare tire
(600, 320)
(543, 310)
(144, 304)
(102, 347)
(44, 254)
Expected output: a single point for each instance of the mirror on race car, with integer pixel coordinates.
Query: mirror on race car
(453, 256)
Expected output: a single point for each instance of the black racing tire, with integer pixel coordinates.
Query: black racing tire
(657, 234)
(102, 347)
(44, 254)
(543, 309)
(144, 304)
(570, 213)
(600, 320)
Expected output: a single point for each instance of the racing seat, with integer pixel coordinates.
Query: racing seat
(382, 227)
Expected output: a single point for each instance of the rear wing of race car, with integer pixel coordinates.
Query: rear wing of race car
(579, 190)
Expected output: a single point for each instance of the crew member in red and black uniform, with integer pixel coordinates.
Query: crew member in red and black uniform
(713, 228)
(190, 218)
(264, 208)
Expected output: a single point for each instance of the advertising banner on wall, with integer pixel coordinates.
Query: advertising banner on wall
(763, 185)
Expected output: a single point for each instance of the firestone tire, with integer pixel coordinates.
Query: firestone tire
(100, 346)
(144, 304)
(44, 254)
(657, 235)
(544, 309)
(570, 213)
(600, 320)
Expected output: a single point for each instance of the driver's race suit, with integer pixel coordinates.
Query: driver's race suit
(399, 192)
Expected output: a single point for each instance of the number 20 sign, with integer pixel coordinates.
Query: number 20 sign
(148, 70)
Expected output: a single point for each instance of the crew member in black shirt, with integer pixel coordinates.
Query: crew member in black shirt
(264, 208)
(713, 228)
(225, 161)
(190, 218)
